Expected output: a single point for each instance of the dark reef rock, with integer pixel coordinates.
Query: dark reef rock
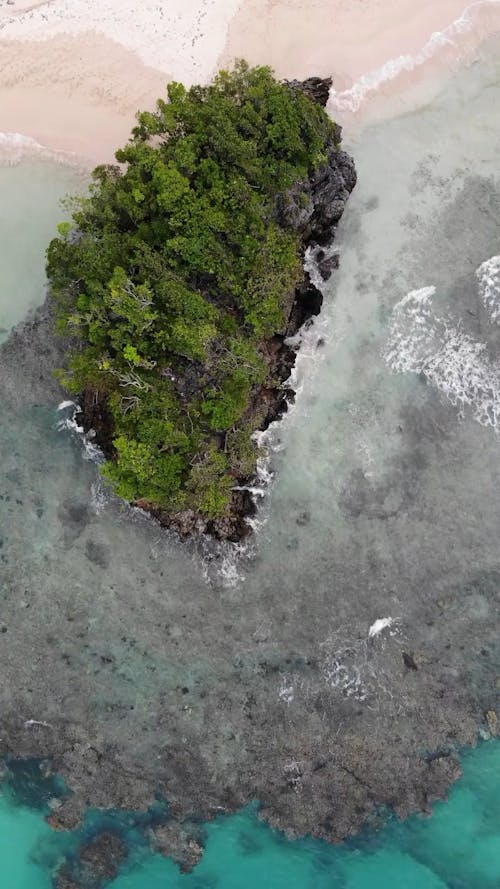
(322, 763)
(308, 302)
(95, 416)
(95, 865)
(185, 843)
(326, 265)
(232, 527)
(315, 206)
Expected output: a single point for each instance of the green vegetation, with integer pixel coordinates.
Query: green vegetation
(172, 274)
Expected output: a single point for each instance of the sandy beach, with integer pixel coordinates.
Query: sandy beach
(74, 72)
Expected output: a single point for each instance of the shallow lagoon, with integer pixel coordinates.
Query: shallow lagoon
(429, 180)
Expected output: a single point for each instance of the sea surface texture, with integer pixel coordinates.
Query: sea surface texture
(457, 848)
(384, 493)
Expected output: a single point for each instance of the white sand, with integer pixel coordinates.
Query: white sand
(73, 72)
(78, 94)
(180, 37)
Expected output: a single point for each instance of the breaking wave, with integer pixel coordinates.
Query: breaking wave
(353, 98)
(309, 337)
(488, 276)
(68, 412)
(16, 146)
(444, 353)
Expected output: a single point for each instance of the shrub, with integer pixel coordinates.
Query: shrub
(172, 273)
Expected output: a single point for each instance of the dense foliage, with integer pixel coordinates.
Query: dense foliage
(173, 272)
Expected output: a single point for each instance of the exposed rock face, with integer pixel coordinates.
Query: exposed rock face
(314, 207)
(326, 264)
(316, 88)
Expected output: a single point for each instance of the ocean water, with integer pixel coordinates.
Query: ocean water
(422, 853)
(29, 210)
(383, 493)
(457, 848)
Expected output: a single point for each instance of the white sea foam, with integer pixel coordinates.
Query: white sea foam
(230, 567)
(355, 667)
(16, 146)
(345, 678)
(98, 496)
(452, 360)
(222, 562)
(488, 276)
(412, 333)
(70, 424)
(17, 140)
(352, 99)
(381, 624)
(91, 451)
(286, 691)
(65, 404)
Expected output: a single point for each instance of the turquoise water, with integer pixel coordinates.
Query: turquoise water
(458, 848)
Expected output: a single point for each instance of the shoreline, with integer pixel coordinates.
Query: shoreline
(60, 85)
(87, 112)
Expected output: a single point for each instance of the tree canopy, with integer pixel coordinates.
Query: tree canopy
(175, 270)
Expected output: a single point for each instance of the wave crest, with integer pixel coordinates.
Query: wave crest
(447, 356)
(488, 276)
(353, 99)
(16, 146)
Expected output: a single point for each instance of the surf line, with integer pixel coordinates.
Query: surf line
(352, 99)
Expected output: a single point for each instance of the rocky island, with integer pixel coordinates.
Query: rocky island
(181, 278)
